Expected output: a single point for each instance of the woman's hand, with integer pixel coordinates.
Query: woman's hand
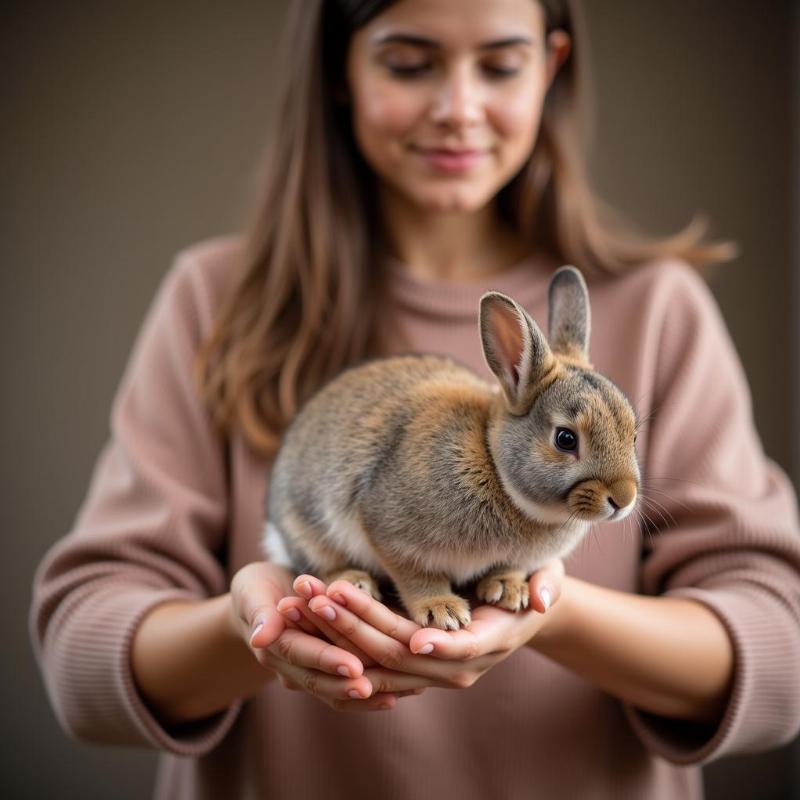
(297, 653)
(396, 651)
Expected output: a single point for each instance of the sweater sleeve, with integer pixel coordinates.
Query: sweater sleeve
(724, 532)
(151, 529)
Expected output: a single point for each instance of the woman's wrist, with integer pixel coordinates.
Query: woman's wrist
(668, 655)
(190, 660)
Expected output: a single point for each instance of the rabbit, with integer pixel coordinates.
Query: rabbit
(413, 468)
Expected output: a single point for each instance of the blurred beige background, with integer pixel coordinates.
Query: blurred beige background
(132, 129)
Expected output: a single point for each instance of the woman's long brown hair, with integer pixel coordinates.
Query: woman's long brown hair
(307, 302)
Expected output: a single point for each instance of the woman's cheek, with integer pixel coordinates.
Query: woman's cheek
(520, 114)
(519, 123)
(389, 110)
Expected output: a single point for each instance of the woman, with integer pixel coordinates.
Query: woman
(427, 150)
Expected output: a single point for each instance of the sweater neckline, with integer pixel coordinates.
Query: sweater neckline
(526, 282)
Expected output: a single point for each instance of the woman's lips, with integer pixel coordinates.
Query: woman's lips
(451, 160)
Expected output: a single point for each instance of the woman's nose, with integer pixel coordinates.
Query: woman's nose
(458, 98)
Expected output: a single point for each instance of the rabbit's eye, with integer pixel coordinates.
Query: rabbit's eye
(566, 440)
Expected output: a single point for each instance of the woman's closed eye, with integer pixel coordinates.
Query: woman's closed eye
(421, 69)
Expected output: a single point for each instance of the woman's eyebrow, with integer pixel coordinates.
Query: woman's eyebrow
(422, 41)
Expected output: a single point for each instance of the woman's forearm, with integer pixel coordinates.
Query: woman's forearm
(189, 661)
(670, 656)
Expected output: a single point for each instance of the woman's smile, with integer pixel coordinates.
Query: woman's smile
(454, 162)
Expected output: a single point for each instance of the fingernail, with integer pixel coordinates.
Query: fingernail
(354, 694)
(256, 628)
(544, 595)
(292, 613)
(425, 649)
(342, 670)
(327, 612)
(304, 588)
(339, 598)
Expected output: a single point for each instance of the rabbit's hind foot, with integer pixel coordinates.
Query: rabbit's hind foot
(507, 589)
(360, 579)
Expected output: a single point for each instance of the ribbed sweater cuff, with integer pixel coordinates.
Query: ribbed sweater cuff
(91, 683)
(763, 697)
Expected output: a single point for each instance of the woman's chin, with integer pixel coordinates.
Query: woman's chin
(452, 202)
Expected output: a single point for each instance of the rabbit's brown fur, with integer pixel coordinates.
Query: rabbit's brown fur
(413, 468)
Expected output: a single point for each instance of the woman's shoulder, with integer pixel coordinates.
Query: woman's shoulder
(651, 319)
(662, 293)
(200, 277)
(659, 278)
(212, 262)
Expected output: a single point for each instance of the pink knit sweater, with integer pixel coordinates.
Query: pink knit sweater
(173, 512)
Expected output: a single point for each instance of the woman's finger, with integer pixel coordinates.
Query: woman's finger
(379, 646)
(254, 594)
(297, 679)
(291, 609)
(371, 611)
(491, 632)
(545, 585)
(265, 627)
(309, 652)
(307, 586)
(386, 650)
(400, 683)
(322, 628)
(341, 694)
(322, 685)
(401, 668)
(461, 645)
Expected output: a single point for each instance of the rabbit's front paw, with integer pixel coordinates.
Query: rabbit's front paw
(505, 589)
(448, 612)
(360, 579)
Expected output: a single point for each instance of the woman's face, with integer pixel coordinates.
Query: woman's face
(446, 96)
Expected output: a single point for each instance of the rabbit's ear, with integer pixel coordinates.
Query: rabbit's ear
(514, 348)
(570, 318)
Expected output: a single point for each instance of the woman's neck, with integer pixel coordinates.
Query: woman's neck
(450, 246)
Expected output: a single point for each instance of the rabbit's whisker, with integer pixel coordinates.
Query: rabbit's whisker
(670, 497)
(661, 510)
(646, 525)
(676, 478)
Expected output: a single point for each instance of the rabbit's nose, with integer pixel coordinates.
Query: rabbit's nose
(621, 494)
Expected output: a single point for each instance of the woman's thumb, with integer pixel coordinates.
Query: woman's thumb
(254, 597)
(545, 585)
(265, 627)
